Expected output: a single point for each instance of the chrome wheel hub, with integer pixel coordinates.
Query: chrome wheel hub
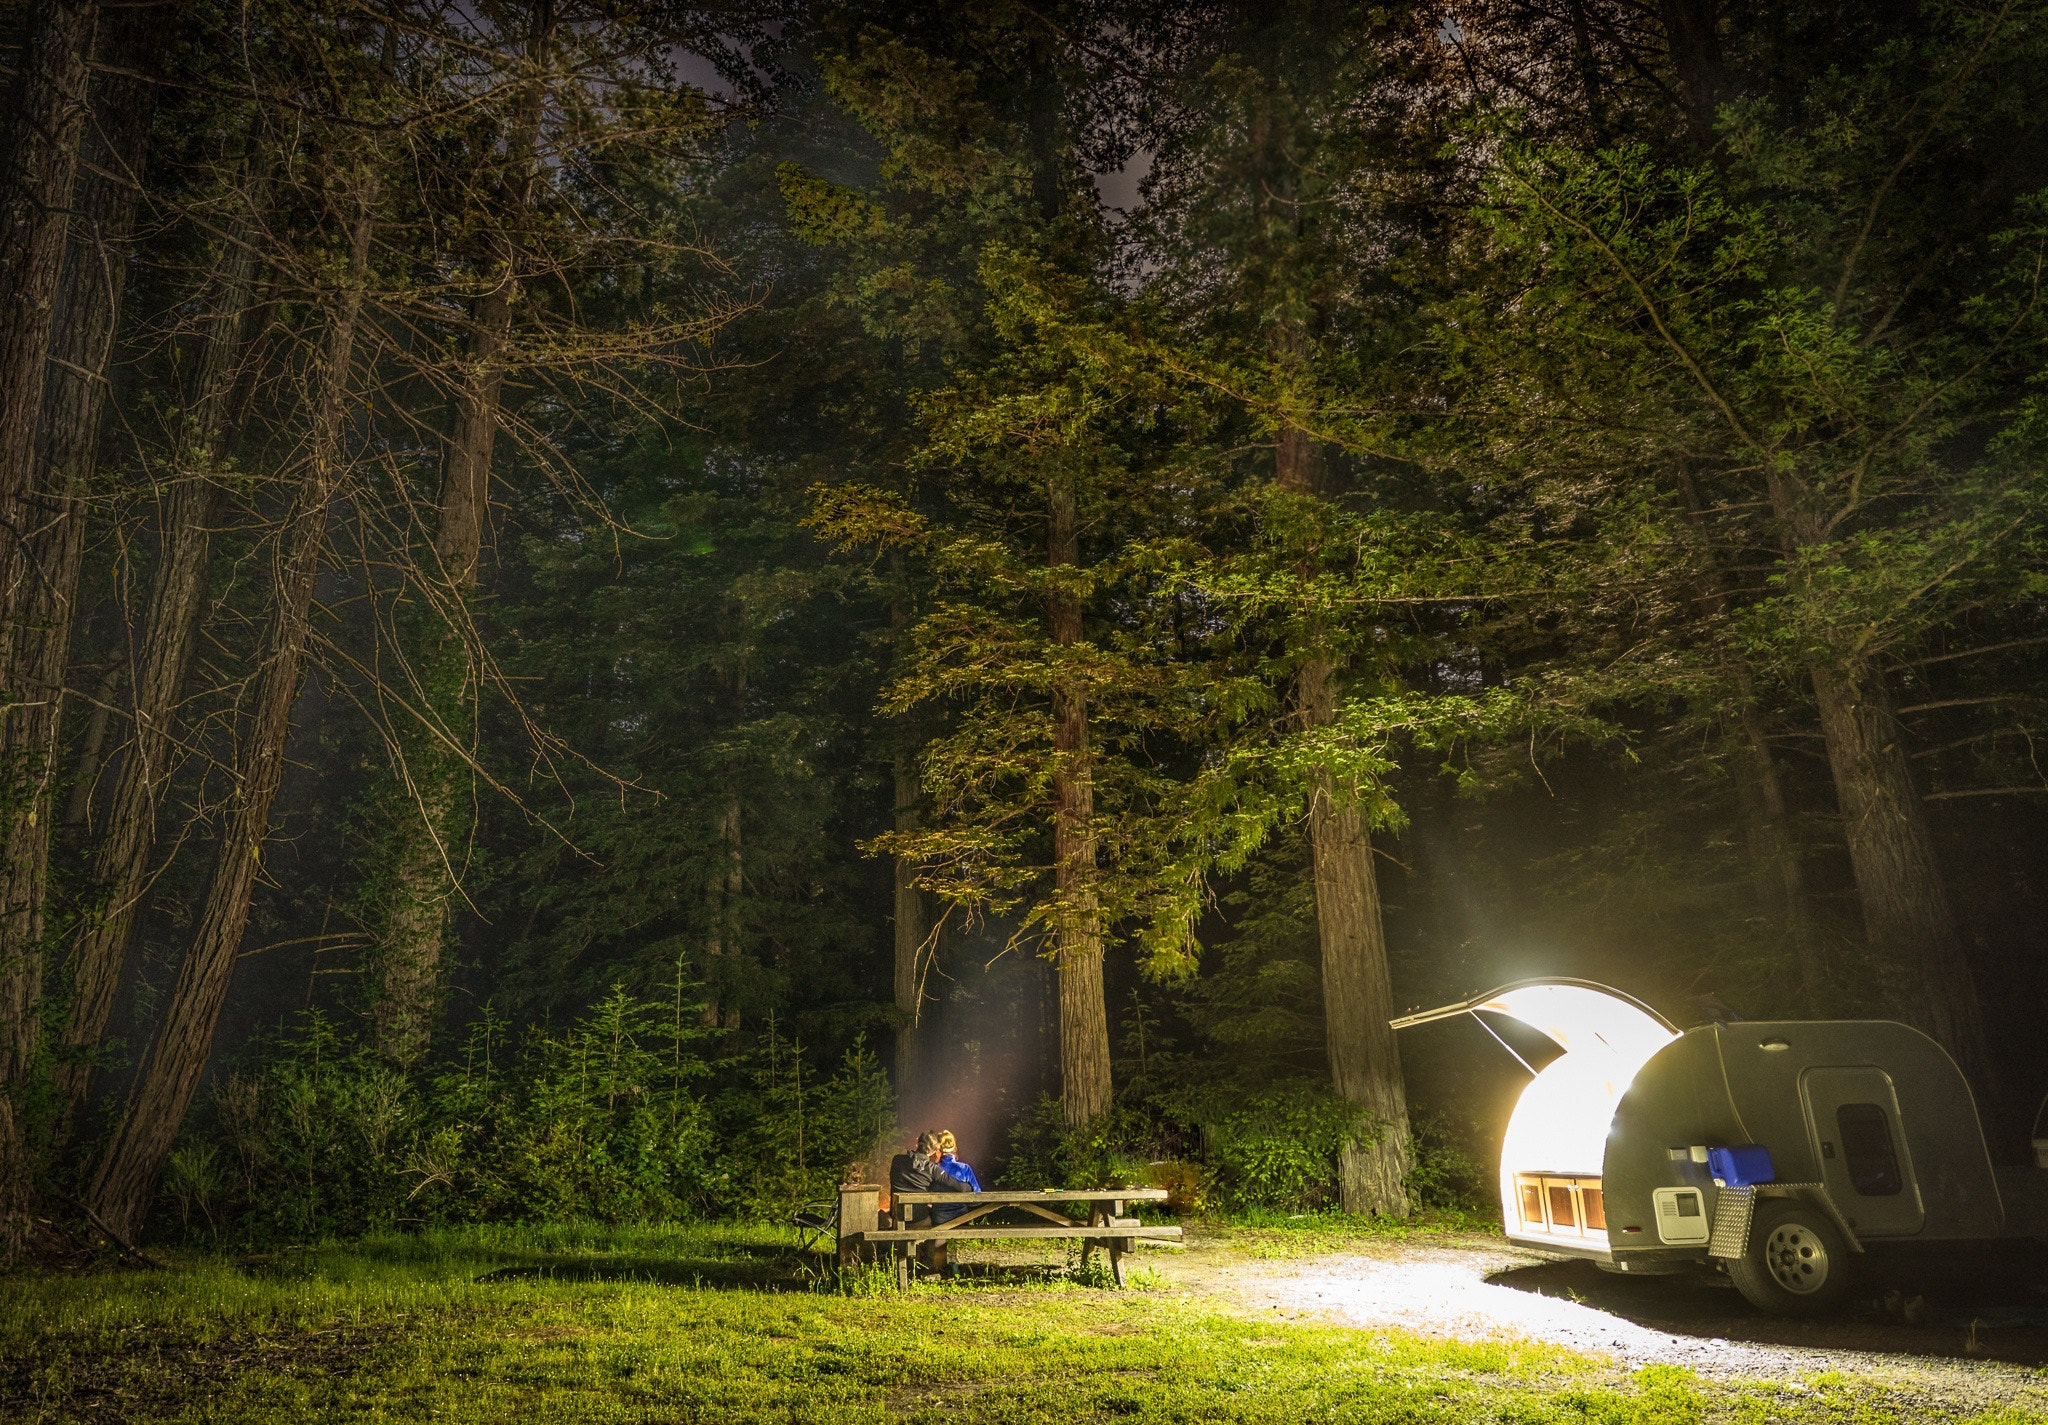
(1796, 1257)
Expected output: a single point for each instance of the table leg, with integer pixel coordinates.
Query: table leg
(1117, 1247)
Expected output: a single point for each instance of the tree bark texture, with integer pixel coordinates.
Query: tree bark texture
(95, 280)
(1085, 1087)
(1358, 994)
(46, 120)
(1914, 941)
(1914, 944)
(177, 602)
(421, 890)
(41, 492)
(125, 1185)
(92, 755)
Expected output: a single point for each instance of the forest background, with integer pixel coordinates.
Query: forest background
(607, 600)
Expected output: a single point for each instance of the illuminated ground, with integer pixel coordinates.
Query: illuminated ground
(1273, 1326)
(1978, 1338)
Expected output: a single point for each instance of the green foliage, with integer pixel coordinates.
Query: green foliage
(1573, 429)
(615, 1119)
(1443, 1174)
(1275, 1147)
(1113, 1151)
(790, 1135)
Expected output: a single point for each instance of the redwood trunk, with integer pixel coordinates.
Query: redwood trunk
(1358, 995)
(1085, 1087)
(1908, 923)
(412, 945)
(170, 631)
(169, 1075)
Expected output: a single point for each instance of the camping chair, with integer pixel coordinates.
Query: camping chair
(816, 1224)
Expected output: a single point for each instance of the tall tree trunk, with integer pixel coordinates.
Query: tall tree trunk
(1358, 995)
(177, 601)
(911, 922)
(1085, 1087)
(125, 1184)
(1776, 850)
(46, 117)
(92, 755)
(1589, 70)
(911, 932)
(1908, 922)
(728, 879)
(1909, 927)
(1692, 31)
(124, 105)
(420, 892)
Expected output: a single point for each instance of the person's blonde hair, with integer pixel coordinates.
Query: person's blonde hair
(947, 1142)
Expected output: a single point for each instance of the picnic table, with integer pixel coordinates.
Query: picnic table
(1095, 1216)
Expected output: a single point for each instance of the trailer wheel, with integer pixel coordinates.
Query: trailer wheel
(1796, 1263)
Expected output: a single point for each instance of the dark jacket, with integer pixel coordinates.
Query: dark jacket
(913, 1172)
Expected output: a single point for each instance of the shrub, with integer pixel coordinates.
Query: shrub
(1443, 1174)
(1114, 1151)
(1279, 1148)
(607, 1120)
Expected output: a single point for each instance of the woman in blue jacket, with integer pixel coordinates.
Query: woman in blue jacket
(953, 1168)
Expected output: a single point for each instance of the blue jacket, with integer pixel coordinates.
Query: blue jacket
(960, 1172)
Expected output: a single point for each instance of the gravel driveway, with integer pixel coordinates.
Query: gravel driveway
(1955, 1357)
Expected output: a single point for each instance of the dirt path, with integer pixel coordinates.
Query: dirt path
(1472, 1289)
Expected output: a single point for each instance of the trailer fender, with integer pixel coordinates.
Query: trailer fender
(1816, 1193)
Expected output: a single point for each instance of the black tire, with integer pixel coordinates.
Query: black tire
(1796, 1263)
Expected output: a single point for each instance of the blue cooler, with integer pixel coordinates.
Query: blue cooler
(1745, 1166)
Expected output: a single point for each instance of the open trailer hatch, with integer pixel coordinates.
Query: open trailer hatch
(1650, 1149)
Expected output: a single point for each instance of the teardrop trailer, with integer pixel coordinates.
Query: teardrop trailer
(1779, 1151)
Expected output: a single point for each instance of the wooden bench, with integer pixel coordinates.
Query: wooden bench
(1101, 1223)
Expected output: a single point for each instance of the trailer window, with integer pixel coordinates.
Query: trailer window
(1867, 1150)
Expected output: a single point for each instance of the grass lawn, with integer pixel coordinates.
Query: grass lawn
(719, 1324)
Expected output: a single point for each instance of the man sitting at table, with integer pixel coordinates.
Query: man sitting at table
(919, 1171)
